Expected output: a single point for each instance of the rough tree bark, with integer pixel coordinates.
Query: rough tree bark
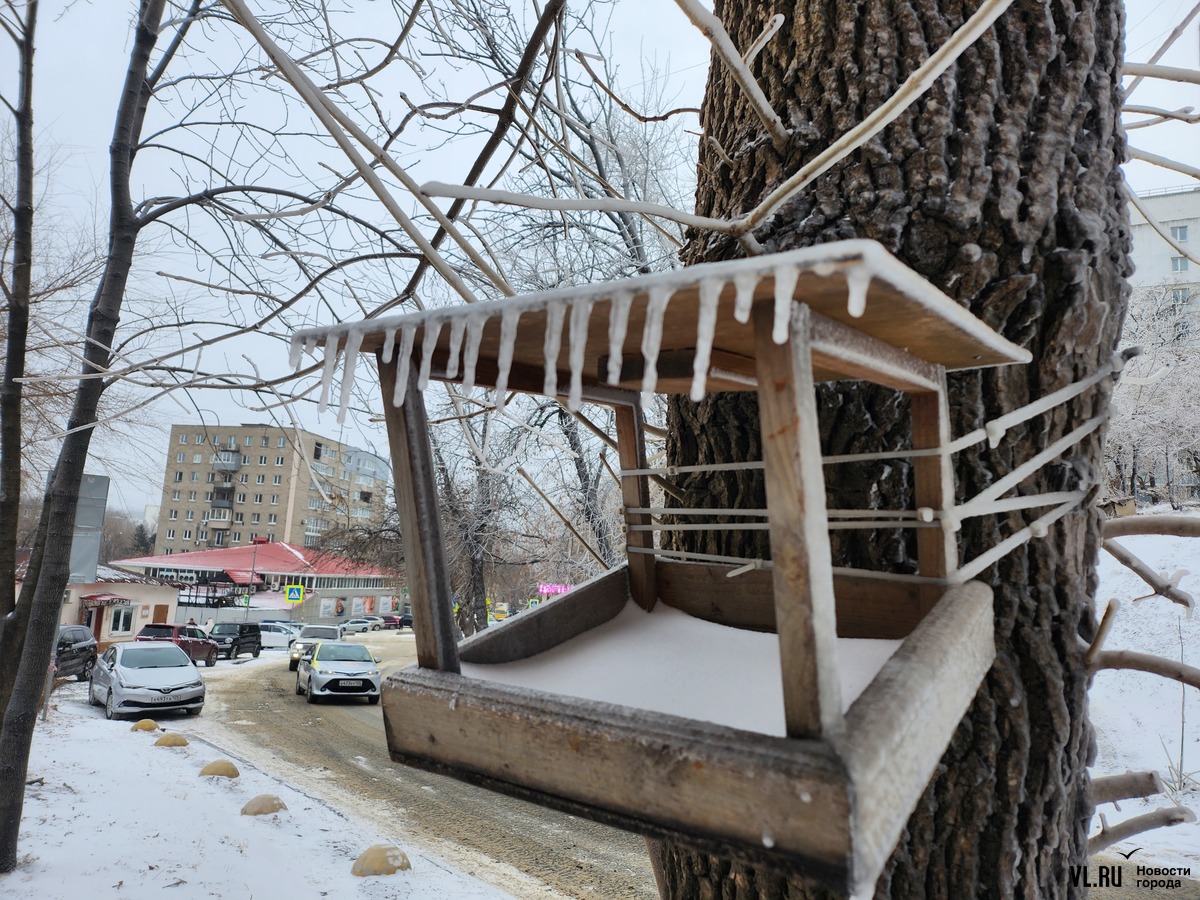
(1002, 187)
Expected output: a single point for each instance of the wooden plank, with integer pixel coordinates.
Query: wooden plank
(898, 729)
(536, 630)
(802, 574)
(933, 485)
(866, 607)
(420, 521)
(652, 773)
(675, 369)
(849, 353)
(635, 492)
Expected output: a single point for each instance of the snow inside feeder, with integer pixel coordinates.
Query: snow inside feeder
(800, 765)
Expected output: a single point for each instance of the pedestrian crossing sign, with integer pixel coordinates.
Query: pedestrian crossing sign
(295, 593)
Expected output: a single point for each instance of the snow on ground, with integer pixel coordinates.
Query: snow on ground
(119, 817)
(1143, 721)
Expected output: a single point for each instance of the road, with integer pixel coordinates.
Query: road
(336, 751)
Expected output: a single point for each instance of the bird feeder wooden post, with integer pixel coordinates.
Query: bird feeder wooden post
(825, 787)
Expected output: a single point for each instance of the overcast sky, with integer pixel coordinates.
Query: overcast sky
(82, 51)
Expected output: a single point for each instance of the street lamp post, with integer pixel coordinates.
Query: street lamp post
(253, 564)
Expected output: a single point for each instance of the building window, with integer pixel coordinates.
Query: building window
(254, 518)
(258, 498)
(271, 520)
(192, 496)
(282, 442)
(172, 515)
(212, 476)
(202, 535)
(180, 457)
(244, 478)
(187, 534)
(1180, 295)
(195, 476)
(170, 534)
(262, 460)
(179, 476)
(236, 537)
(274, 499)
(121, 621)
(183, 439)
(241, 498)
(189, 515)
(247, 441)
(238, 518)
(265, 442)
(199, 439)
(219, 539)
(175, 495)
(1179, 232)
(1179, 263)
(260, 479)
(278, 479)
(197, 458)
(279, 460)
(314, 502)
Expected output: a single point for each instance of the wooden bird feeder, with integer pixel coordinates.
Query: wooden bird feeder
(830, 792)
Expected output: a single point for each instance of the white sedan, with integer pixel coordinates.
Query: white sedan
(357, 626)
(276, 635)
(145, 677)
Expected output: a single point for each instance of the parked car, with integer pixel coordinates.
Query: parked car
(356, 626)
(152, 676)
(309, 635)
(75, 652)
(338, 669)
(391, 621)
(376, 622)
(188, 638)
(276, 635)
(404, 620)
(235, 638)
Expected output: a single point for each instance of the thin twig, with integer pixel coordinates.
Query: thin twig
(1161, 586)
(1106, 623)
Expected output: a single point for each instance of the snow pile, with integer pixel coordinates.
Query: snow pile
(1143, 721)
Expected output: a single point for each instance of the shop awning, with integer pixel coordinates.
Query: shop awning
(243, 576)
(91, 601)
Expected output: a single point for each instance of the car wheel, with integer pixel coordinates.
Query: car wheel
(293, 665)
(375, 627)
(255, 652)
(211, 660)
(92, 701)
(373, 699)
(193, 712)
(110, 710)
(312, 697)
(86, 674)
(299, 690)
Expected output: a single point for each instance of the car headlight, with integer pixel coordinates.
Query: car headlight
(321, 671)
(372, 673)
(195, 684)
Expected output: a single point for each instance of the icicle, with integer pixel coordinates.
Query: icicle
(508, 335)
(429, 339)
(475, 323)
(389, 344)
(618, 322)
(556, 311)
(581, 311)
(652, 335)
(824, 269)
(744, 283)
(331, 353)
(706, 323)
(858, 281)
(354, 339)
(456, 336)
(310, 344)
(403, 358)
(785, 285)
(295, 350)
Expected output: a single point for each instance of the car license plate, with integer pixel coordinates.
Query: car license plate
(352, 682)
(174, 698)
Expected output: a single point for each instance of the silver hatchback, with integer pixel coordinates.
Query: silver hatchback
(145, 677)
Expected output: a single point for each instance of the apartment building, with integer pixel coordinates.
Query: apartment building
(224, 485)
(1156, 262)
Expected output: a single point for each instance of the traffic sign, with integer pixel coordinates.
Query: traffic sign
(295, 593)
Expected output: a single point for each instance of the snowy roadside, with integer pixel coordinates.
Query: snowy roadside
(1143, 721)
(117, 816)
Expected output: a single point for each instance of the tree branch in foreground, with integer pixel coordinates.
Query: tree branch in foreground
(1148, 662)
(1126, 786)
(1122, 831)
(1161, 585)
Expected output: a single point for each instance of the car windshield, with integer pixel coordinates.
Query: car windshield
(347, 653)
(158, 631)
(166, 657)
(326, 631)
(228, 628)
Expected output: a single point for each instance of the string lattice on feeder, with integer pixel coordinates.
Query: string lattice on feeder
(865, 674)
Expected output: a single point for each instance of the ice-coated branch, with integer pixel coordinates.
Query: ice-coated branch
(1126, 786)
(1163, 162)
(1161, 586)
(1176, 526)
(581, 58)
(1106, 623)
(773, 25)
(1158, 227)
(1185, 114)
(710, 26)
(913, 87)
(1123, 831)
(565, 519)
(1166, 73)
(1149, 663)
(1175, 34)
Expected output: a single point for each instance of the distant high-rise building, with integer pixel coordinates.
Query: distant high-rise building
(226, 484)
(1157, 263)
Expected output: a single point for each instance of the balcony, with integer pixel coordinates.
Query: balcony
(227, 461)
(218, 524)
(219, 502)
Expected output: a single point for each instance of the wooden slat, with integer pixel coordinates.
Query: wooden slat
(536, 630)
(866, 607)
(933, 485)
(749, 794)
(898, 729)
(840, 349)
(795, 484)
(631, 451)
(420, 522)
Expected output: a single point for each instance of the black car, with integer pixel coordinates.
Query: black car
(402, 620)
(235, 638)
(75, 652)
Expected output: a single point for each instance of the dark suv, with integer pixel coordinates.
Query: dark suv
(190, 639)
(235, 638)
(75, 652)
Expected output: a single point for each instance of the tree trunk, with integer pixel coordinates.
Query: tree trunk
(1001, 186)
